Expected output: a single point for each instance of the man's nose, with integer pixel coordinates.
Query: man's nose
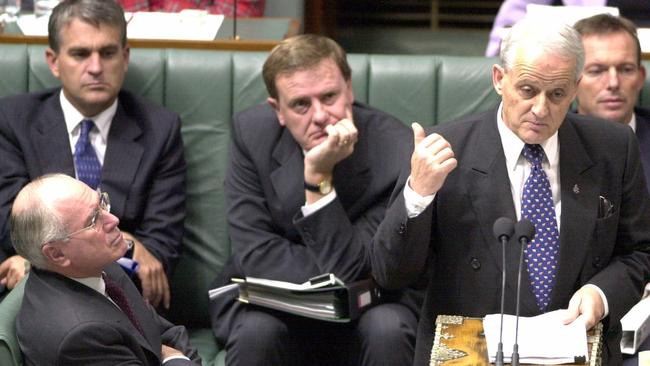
(540, 106)
(612, 78)
(320, 114)
(109, 221)
(94, 63)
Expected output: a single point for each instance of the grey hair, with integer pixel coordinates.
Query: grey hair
(95, 12)
(35, 224)
(553, 37)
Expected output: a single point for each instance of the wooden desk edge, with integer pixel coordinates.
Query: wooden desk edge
(231, 44)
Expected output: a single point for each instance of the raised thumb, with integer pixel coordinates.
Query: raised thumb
(418, 133)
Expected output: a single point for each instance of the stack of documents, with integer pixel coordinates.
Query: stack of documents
(323, 297)
(543, 339)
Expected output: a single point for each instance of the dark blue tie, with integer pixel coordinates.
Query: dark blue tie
(86, 163)
(537, 206)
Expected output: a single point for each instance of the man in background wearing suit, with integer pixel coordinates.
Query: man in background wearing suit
(310, 176)
(578, 180)
(613, 77)
(611, 82)
(79, 307)
(105, 136)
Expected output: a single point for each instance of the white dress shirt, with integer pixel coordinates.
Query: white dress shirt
(518, 171)
(98, 135)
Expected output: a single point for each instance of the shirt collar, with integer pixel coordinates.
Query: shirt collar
(95, 283)
(512, 144)
(632, 123)
(72, 116)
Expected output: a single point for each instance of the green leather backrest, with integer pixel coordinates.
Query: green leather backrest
(404, 86)
(9, 351)
(464, 87)
(207, 87)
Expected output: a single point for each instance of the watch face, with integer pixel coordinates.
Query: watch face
(325, 187)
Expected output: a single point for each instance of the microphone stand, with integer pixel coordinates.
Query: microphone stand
(525, 231)
(503, 229)
(499, 357)
(514, 359)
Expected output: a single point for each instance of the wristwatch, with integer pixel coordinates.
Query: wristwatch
(324, 187)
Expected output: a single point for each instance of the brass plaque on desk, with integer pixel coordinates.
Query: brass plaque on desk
(460, 341)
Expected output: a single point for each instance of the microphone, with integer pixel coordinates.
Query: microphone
(503, 229)
(524, 232)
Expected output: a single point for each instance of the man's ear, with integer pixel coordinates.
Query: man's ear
(127, 55)
(497, 78)
(52, 59)
(276, 107)
(349, 90)
(642, 74)
(55, 255)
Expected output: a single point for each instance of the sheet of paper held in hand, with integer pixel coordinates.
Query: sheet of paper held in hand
(543, 339)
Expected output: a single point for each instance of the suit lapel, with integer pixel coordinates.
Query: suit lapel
(151, 336)
(643, 135)
(51, 140)
(489, 189)
(579, 197)
(122, 159)
(288, 178)
(353, 171)
(93, 302)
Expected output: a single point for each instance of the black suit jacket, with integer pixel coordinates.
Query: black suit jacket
(265, 189)
(63, 322)
(452, 239)
(643, 135)
(143, 171)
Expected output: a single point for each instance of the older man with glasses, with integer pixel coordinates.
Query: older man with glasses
(79, 307)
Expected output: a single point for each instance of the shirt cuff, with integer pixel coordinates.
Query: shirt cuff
(415, 203)
(602, 297)
(309, 209)
(175, 358)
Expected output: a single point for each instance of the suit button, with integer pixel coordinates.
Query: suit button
(402, 229)
(596, 263)
(475, 263)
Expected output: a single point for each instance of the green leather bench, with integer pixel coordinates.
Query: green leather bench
(206, 88)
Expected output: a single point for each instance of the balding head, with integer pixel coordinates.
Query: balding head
(34, 219)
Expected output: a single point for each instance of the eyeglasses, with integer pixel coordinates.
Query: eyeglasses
(104, 205)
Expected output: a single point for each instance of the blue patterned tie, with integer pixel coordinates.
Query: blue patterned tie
(537, 206)
(86, 163)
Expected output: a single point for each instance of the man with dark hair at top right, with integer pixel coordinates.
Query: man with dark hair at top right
(612, 79)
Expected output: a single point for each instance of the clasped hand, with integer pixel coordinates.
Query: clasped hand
(339, 144)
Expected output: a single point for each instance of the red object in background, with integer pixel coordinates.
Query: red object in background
(245, 8)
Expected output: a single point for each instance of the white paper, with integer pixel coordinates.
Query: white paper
(186, 25)
(323, 281)
(644, 39)
(543, 339)
(32, 25)
(569, 13)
